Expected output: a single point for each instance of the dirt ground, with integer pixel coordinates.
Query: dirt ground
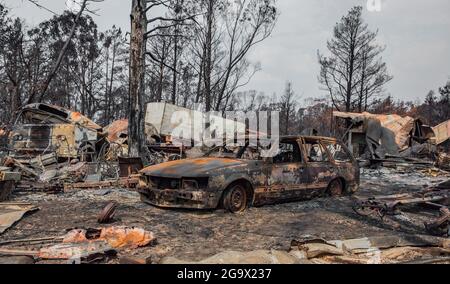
(194, 235)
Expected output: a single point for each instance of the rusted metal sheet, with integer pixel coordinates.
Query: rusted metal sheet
(395, 128)
(203, 183)
(117, 136)
(442, 132)
(117, 131)
(10, 213)
(116, 237)
(56, 115)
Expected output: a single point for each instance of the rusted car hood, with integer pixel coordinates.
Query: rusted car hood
(190, 167)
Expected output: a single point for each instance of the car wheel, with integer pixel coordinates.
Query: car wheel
(235, 199)
(335, 188)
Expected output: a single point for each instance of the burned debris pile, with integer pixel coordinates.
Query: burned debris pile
(54, 149)
(84, 245)
(393, 140)
(436, 198)
(56, 153)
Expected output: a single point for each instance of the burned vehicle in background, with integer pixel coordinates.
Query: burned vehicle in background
(236, 177)
(42, 128)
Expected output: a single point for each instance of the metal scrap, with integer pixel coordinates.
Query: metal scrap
(442, 132)
(388, 205)
(374, 250)
(85, 245)
(392, 132)
(68, 251)
(107, 213)
(116, 237)
(10, 213)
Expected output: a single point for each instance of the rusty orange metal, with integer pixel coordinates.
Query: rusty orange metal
(116, 237)
(442, 132)
(116, 130)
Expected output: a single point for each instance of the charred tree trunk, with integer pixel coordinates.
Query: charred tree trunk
(175, 66)
(106, 114)
(208, 57)
(136, 136)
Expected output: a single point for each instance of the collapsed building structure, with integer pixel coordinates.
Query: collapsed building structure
(51, 147)
(378, 136)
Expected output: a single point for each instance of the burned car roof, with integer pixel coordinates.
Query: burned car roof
(54, 114)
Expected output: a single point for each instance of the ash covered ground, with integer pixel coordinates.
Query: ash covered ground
(195, 235)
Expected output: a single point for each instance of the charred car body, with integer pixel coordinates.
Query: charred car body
(238, 177)
(42, 128)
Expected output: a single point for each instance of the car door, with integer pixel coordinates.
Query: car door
(344, 163)
(286, 179)
(319, 168)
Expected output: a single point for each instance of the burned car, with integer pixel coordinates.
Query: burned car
(235, 178)
(42, 128)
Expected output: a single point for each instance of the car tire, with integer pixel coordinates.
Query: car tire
(335, 188)
(235, 199)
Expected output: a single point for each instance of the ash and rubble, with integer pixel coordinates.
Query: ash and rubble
(55, 192)
(214, 232)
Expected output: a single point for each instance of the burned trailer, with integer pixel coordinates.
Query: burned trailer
(42, 128)
(237, 177)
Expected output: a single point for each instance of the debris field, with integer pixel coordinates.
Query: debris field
(196, 235)
(69, 193)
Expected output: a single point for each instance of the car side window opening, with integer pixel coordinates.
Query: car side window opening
(315, 152)
(288, 153)
(338, 153)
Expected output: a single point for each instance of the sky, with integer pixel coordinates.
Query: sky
(416, 34)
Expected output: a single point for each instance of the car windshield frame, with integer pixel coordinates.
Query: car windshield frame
(243, 148)
(238, 155)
